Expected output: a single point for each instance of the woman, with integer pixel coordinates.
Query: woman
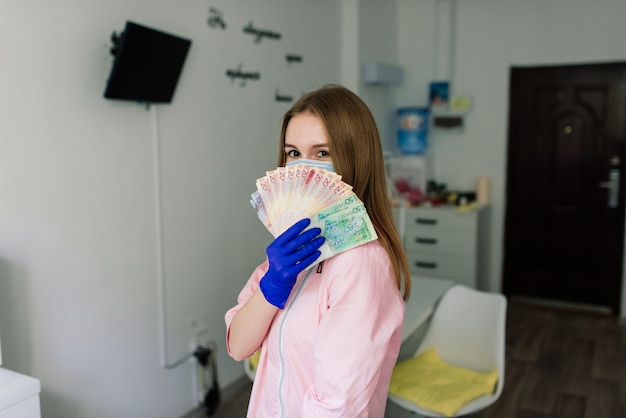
(330, 336)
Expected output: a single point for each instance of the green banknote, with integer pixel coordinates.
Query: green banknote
(344, 229)
(346, 203)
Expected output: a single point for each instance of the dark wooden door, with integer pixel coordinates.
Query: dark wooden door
(564, 223)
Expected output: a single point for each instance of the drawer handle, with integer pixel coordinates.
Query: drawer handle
(429, 241)
(425, 221)
(426, 265)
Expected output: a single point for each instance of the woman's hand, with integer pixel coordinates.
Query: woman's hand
(288, 255)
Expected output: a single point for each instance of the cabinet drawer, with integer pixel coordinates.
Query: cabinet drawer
(453, 221)
(459, 268)
(428, 241)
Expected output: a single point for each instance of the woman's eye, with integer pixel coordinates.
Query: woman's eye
(293, 153)
(323, 154)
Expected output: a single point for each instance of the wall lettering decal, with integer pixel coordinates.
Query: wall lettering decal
(281, 98)
(216, 18)
(293, 58)
(239, 75)
(243, 75)
(259, 34)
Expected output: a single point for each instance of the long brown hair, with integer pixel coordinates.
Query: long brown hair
(356, 151)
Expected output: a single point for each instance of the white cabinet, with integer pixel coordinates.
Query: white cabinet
(443, 242)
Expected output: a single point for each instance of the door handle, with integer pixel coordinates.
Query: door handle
(425, 221)
(425, 265)
(613, 185)
(429, 241)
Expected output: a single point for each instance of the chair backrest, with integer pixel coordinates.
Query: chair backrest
(468, 330)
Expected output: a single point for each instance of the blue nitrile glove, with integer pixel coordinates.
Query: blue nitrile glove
(288, 255)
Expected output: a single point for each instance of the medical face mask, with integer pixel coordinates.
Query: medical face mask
(326, 165)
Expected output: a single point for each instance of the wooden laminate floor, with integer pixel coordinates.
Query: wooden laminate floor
(560, 364)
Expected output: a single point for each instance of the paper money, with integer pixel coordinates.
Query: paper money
(344, 229)
(289, 194)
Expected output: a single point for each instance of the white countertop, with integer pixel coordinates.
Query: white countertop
(425, 293)
(16, 387)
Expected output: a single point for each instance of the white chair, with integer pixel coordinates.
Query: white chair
(468, 330)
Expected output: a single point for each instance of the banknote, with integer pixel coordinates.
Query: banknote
(344, 229)
(259, 206)
(289, 194)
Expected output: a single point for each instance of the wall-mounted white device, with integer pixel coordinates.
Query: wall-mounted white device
(374, 72)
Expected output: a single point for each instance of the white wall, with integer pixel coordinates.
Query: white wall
(490, 36)
(78, 229)
(378, 42)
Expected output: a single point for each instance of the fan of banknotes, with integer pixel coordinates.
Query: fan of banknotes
(288, 194)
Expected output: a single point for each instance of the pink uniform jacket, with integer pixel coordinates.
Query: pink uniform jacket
(331, 351)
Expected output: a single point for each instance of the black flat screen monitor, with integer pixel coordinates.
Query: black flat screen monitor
(146, 66)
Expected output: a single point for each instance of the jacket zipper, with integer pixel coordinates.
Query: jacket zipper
(281, 381)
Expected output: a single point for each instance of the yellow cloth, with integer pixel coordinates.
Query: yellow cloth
(433, 384)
